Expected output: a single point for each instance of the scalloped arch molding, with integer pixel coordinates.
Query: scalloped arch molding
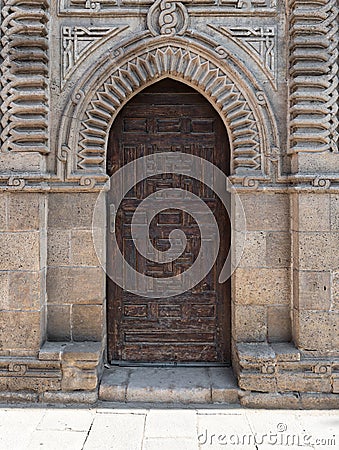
(239, 104)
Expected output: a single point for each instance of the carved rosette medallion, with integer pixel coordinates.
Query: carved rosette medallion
(167, 18)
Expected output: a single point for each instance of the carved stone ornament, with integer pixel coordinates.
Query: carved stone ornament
(167, 18)
(235, 100)
(314, 76)
(24, 76)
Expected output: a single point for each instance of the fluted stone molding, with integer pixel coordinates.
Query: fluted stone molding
(314, 75)
(24, 74)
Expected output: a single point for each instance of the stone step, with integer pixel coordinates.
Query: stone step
(169, 385)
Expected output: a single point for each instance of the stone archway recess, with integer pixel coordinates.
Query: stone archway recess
(241, 104)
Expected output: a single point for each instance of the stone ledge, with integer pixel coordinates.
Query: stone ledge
(289, 400)
(281, 368)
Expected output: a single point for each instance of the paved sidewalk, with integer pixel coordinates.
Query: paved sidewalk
(149, 427)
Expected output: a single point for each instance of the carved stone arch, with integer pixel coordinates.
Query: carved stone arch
(239, 104)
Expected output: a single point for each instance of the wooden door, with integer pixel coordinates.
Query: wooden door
(194, 326)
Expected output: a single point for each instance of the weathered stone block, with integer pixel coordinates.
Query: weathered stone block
(82, 249)
(76, 285)
(20, 251)
(279, 324)
(20, 330)
(314, 290)
(87, 322)
(313, 212)
(58, 247)
(25, 290)
(257, 382)
(254, 250)
(266, 212)
(250, 323)
(278, 249)
(3, 211)
(334, 213)
(316, 251)
(68, 211)
(315, 330)
(262, 286)
(25, 211)
(335, 291)
(76, 378)
(299, 382)
(59, 322)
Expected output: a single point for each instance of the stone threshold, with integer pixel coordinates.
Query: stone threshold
(186, 385)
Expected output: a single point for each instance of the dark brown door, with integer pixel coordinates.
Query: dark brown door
(194, 326)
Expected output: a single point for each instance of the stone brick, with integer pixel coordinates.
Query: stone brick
(279, 324)
(262, 286)
(3, 211)
(266, 211)
(58, 242)
(24, 290)
(250, 323)
(69, 397)
(87, 322)
(76, 285)
(36, 384)
(82, 351)
(68, 211)
(314, 290)
(25, 211)
(334, 213)
(314, 330)
(270, 400)
(4, 290)
(20, 251)
(82, 249)
(314, 212)
(254, 251)
(20, 330)
(287, 381)
(59, 322)
(278, 249)
(335, 291)
(257, 382)
(316, 251)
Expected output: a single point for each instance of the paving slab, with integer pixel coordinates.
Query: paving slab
(169, 385)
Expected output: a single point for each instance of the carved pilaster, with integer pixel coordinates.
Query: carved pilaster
(314, 76)
(23, 76)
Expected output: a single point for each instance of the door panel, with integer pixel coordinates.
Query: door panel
(194, 326)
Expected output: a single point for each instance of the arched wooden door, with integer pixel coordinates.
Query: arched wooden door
(194, 326)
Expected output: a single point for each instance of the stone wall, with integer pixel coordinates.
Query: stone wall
(269, 67)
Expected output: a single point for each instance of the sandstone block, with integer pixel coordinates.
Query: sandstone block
(279, 324)
(314, 290)
(20, 251)
(82, 249)
(254, 250)
(87, 322)
(58, 247)
(3, 211)
(25, 211)
(334, 213)
(68, 211)
(262, 286)
(266, 212)
(278, 249)
(20, 330)
(59, 322)
(314, 212)
(250, 323)
(76, 285)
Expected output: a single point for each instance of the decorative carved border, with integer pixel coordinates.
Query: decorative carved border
(314, 76)
(243, 107)
(24, 76)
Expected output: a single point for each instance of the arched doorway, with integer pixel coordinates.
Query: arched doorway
(193, 327)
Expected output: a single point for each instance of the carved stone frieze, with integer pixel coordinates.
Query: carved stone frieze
(314, 76)
(24, 76)
(85, 7)
(80, 42)
(239, 114)
(258, 42)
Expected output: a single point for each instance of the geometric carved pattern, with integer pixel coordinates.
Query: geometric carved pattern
(314, 77)
(242, 124)
(258, 42)
(24, 73)
(103, 6)
(79, 42)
